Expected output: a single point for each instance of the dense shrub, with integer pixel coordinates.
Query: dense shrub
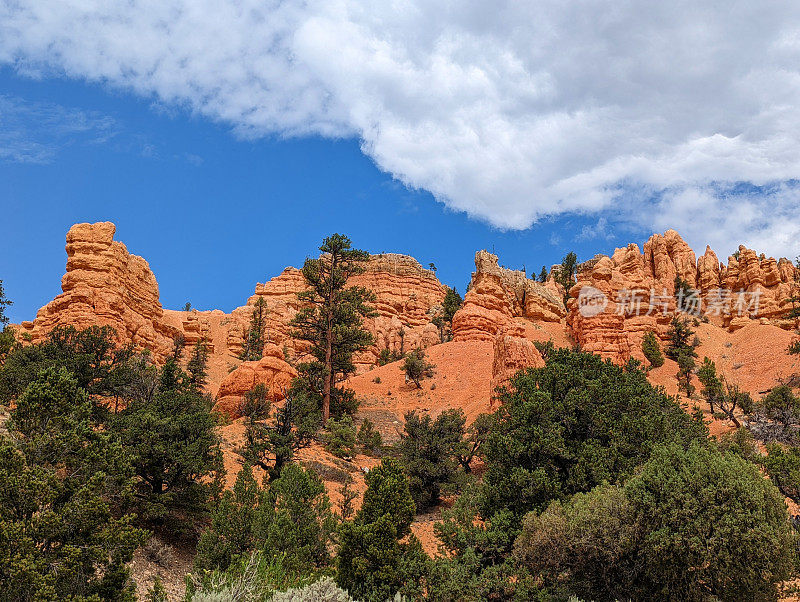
(652, 350)
(713, 518)
(302, 524)
(252, 578)
(62, 482)
(694, 524)
(235, 523)
(91, 356)
(368, 438)
(324, 590)
(373, 564)
(429, 453)
(417, 367)
(783, 466)
(563, 429)
(173, 445)
(680, 338)
(340, 440)
(571, 425)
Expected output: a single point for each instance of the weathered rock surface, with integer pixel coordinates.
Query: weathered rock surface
(105, 285)
(497, 295)
(272, 370)
(512, 352)
(407, 297)
(638, 293)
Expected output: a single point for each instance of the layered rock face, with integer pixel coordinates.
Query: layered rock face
(770, 280)
(629, 293)
(617, 299)
(106, 286)
(497, 296)
(407, 297)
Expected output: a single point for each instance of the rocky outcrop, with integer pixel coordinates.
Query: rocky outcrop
(105, 285)
(407, 297)
(763, 281)
(667, 256)
(617, 299)
(512, 353)
(599, 310)
(497, 296)
(272, 371)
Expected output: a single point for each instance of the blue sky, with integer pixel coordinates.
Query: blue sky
(226, 138)
(214, 214)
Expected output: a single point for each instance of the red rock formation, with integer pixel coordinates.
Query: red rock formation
(667, 256)
(708, 271)
(272, 370)
(512, 352)
(497, 296)
(106, 286)
(756, 278)
(638, 290)
(407, 298)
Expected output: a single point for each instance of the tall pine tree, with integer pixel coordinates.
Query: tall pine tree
(331, 321)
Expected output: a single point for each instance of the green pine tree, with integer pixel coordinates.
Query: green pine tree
(174, 448)
(271, 442)
(543, 275)
(331, 319)
(4, 302)
(565, 275)
(429, 451)
(196, 367)
(373, 565)
(62, 533)
(652, 350)
(255, 337)
(235, 521)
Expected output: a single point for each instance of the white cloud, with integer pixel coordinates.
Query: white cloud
(509, 111)
(765, 220)
(34, 132)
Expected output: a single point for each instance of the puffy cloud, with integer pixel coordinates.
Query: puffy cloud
(509, 111)
(765, 219)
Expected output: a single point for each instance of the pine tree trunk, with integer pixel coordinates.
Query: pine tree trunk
(327, 384)
(326, 390)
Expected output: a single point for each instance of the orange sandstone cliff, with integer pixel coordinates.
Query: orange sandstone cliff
(106, 286)
(407, 297)
(497, 296)
(637, 291)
